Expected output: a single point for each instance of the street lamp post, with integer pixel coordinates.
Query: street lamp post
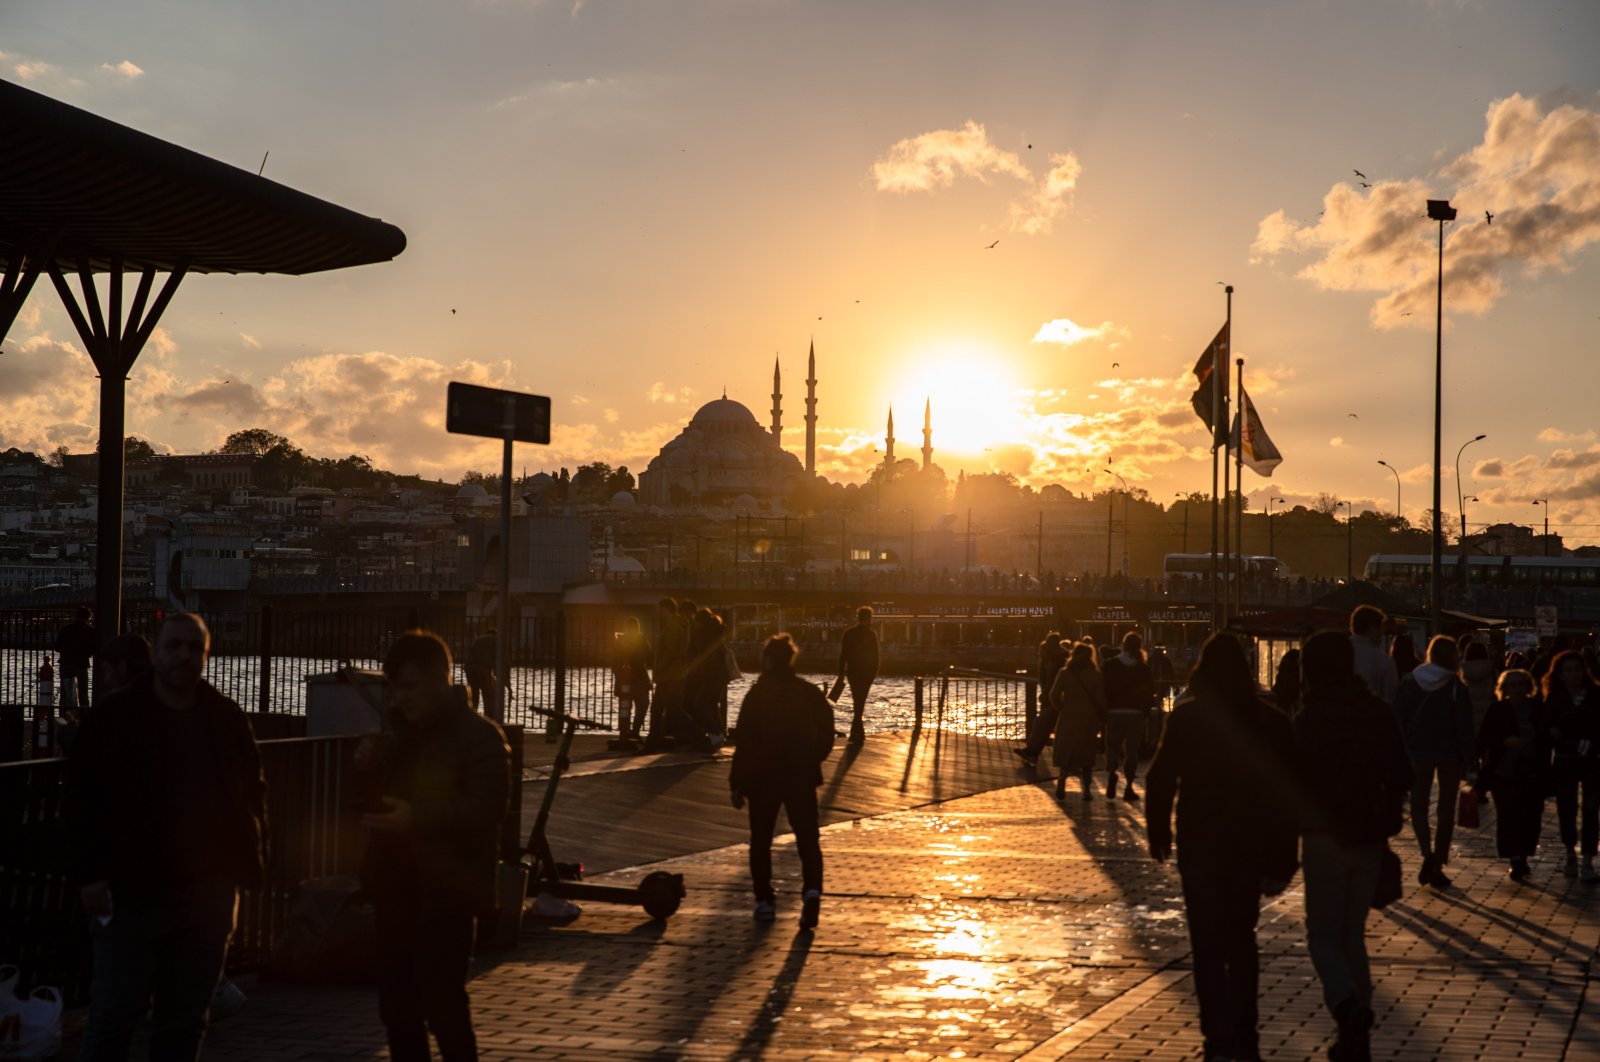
(1461, 506)
(1271, 551)
(1463, 542)
(1545, 545)
(1441, 211)
(1181, 494)
(1125, 498)
(1391, 468)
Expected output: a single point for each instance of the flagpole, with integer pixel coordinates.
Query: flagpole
(1216, 411)
(1238, 481)
(1222, 425)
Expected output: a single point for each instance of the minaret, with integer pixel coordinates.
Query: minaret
(811, 411)
(777, 401)
(888, 443)
(927, 434)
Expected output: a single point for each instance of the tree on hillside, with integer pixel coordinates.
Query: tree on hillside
(252, 441)
(282, 466)
(136, 449)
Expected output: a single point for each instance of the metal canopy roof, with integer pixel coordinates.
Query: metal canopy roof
(107, 192)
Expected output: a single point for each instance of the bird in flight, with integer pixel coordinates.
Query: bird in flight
(1488, 218)
(1352, 415)
(1358, 173)
(452, 309)
(1364, 184)
(991, 246)
(1116, 364)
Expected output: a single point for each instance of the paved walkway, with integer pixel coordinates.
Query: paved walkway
(1001, 925)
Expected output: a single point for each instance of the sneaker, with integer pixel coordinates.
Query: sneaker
(1030, 758)
(810, 908)
(1570, 868)
(1589, 873)
(1128, 794)
(766, 911)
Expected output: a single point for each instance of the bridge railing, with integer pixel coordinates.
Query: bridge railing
(989, 704)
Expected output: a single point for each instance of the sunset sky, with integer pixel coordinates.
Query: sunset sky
(632, 206)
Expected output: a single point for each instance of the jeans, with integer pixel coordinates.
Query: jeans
(1339, 882)
(800, 804)
(165, 957)
(1449, 772)
(1222, 904)
(1124, 732)
(423, 953)
(1573, 775)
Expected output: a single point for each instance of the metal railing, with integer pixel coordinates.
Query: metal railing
(986, 703)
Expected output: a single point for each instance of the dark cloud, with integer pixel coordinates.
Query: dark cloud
(233, 397)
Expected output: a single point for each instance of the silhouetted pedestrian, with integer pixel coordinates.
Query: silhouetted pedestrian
(483, 684)
(630, 678)
(1572, 706)
(1403, 651)
(1376, 667)
(858, 663)
(1079, 694)
(165, 808)
(785, 732)
(1228, 753)
(671, 652)
(1354, 774)
(1130, 694)
(1514, 766)
(443, 778)
(75, 645)
(1435, 712)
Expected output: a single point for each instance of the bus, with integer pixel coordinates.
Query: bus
(1187, 571)
(1509, 572)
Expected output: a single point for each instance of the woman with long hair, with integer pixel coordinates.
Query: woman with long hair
(1229, 753)
(1572, 706)
(1079, 694)
(1435, 712)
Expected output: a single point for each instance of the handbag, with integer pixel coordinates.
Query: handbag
(30, 1027)
(838, 688)
(1467, 810)
(1389, 887)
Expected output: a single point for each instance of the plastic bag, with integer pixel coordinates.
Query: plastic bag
(30, 1028)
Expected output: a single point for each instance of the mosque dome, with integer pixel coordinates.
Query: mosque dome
(622, 500)
(724, 411)
(472, 490)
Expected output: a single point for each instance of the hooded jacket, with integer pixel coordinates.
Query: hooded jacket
(1435, 711)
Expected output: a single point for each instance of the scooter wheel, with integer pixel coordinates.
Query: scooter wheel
(660, 893)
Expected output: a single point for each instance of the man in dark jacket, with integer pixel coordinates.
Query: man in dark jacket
(1229, 753)
(1354, 774)
(1130, 693)
(75, 645)
(443, 779)
(785, 732)
(166, 818)
(858, 663)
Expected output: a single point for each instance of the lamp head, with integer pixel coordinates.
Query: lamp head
(1441, 210)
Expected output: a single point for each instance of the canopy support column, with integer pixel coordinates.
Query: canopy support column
(114, 343)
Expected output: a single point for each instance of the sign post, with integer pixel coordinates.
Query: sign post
(510, 416)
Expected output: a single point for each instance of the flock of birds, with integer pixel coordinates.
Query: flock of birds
(1488, 217)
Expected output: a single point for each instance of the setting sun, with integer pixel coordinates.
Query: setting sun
(974, 399)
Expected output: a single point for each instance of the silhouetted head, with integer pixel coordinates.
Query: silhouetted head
(1223, 671)
(81, 613)
(182, 646)
(1327, 662)
(1443, 652)
(125, 660)
(1514, 684)
(778, 654)
(419, 671)
(1083, 656)
(1567, 671)
(1367, 622)
(864, 614)
(1132, 644)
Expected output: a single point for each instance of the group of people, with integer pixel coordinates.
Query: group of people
(166, 816)
(1084, 700)
(677, 687)
(1317, 778)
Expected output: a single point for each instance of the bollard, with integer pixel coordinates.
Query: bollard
(45, 686)
(916, 701)
(42, 749)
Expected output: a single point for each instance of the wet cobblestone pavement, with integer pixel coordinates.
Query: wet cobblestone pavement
(1004, 925)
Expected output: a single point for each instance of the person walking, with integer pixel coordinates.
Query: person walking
(1079, 695)
(630, 679)
(442, 778)
(1228, 753)
(1572, 707)
(706, 688)
(165, 813)
(1130, 694)
(75, 645)
(1354, 774)
(482, 683)
(1435, 712)
(1052, 658)
(1376, 667)
(1480, 674)
(1514, 766)
(785, 733)
(858, 663)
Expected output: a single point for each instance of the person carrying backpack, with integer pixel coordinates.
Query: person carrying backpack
(1354, 771)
